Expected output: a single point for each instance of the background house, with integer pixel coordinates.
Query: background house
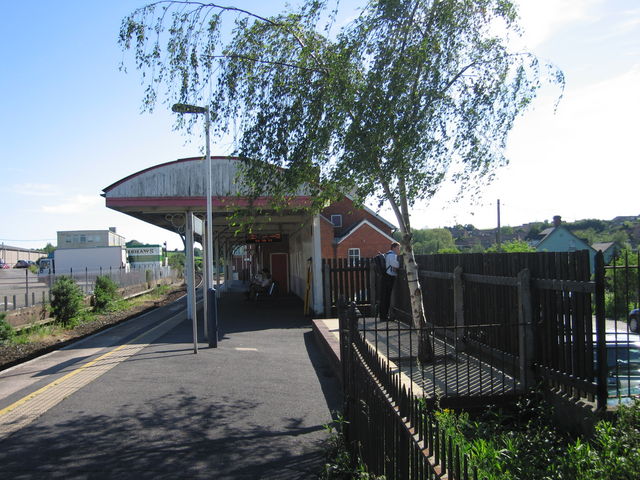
(90, 238)
(609, 250)
(353, 232)
(559, 239)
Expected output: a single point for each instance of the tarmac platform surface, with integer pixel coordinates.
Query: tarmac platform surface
(136, 402)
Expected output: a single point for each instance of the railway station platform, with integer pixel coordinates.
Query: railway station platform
(136, 402)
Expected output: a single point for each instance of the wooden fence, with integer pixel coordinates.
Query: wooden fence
(350, 279)
(536, 310)
(549, 296)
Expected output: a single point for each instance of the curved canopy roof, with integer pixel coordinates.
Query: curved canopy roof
(160, 195)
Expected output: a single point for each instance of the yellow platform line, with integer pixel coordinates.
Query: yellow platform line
(27, 409)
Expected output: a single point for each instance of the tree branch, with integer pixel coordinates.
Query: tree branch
(267, 62)
(473, 64)
(202, 5)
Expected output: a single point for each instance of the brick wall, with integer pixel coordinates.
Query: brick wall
(367, 239)
(352, 216)
(326, 239)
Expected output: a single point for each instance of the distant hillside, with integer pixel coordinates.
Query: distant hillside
(624, 230)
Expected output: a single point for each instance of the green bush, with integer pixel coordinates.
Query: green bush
(511, 246)
(525, 443)
(176, 262)
(340, 464)
(105, 293)
(6, 330)
(67, 299)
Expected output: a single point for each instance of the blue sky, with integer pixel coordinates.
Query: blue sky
(71, 123)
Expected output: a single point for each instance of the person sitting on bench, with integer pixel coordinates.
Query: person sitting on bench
(260, 284)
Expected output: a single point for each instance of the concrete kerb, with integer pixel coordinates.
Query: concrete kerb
(327, 335)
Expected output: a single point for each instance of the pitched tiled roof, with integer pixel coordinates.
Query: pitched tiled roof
(604, 246)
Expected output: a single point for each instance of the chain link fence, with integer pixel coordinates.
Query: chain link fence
(23, 288)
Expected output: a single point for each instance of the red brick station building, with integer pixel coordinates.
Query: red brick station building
(289, 241)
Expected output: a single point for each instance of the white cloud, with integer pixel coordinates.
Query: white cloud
(581, 162)
(76, 204)
(541, 19)
(630, 24)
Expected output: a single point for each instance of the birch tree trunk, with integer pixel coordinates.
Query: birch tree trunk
(418, 319)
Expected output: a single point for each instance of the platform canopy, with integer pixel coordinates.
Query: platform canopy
(160, 195)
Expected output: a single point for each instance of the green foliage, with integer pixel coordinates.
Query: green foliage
(433, 240)
(390, 106)
(6, 330)
(612, 452)
(160, 290)
(508, 445)
(512, 246)
(104, 294)
(339, 464)
(587, 224)
(526, 444)
(177, 261)
(67, 299)
(48, 249)
(535, 228)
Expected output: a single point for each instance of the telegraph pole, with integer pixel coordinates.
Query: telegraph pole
(499, 233)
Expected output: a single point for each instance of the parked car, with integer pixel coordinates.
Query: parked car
(4, 265)
(21, 264)
(623, 366)
(634, 320)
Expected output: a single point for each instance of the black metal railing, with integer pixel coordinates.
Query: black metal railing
(391, 426)
(548, 331)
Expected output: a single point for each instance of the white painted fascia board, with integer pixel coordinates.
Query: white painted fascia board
(359, 225)
(322, 217)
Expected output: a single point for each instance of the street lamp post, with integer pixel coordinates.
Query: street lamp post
(213, 335)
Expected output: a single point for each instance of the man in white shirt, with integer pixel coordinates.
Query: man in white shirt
(388, 279)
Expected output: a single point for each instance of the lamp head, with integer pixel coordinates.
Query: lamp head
(186, 108)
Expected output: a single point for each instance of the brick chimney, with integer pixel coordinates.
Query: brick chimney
(557, 220)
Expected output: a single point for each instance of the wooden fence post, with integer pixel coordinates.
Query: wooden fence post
(326, 288)
(373, 294)
(458, 308)
(525, 329)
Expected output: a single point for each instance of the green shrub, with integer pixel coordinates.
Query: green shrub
(6, 330)
(176, 262)
(67, 299)
(340, 464)
(613, 450)
(104, 294)
(525, 443)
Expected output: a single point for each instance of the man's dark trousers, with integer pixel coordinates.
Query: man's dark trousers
(385, 296)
